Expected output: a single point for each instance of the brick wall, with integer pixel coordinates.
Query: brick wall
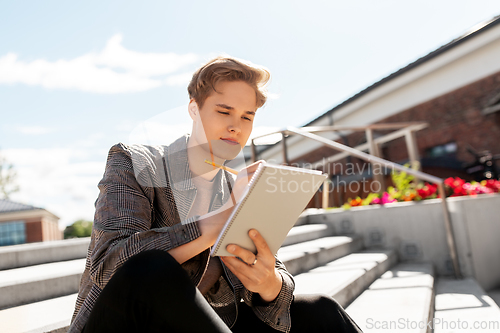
(34, 230)
(41, 230)
(457, 117)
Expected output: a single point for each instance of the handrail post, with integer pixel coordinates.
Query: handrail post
(373, 149)
(450, 237)
(411, 145)
(283, 143)
(326, 193)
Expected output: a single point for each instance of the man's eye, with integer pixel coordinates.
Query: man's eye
(222, 112)
(246, 118)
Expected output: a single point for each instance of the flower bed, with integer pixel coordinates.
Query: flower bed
(407, 189)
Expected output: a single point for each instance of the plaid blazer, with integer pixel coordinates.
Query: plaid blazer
(145, 196)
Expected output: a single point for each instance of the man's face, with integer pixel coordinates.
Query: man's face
(224, 123)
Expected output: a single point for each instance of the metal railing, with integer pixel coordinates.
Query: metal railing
(305, 132)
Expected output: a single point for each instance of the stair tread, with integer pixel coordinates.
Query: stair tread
(44, 245)
(307, 232)
(41, 316)
(41, 272)
(339, 273)
(313, 246)
(306, 228)
(466, 301)
(401, 299)
(24, 255)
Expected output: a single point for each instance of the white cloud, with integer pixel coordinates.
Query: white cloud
(61, 180)
(34, 130)
(94, 72)
(78, 74)
(115, 55)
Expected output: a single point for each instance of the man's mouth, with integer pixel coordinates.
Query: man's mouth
(230, 141)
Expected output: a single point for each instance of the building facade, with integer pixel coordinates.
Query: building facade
(454, 89)
(20, 223)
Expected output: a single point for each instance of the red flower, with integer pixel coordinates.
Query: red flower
(457, 186)
(491, 184)
(449, 181)
(427, 191)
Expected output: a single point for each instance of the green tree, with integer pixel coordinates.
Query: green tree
(80, 228)
(7, 178)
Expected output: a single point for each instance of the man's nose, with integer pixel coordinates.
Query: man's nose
(234, 127)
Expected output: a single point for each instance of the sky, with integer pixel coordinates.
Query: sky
(79, 77)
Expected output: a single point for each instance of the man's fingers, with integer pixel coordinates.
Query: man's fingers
(260, 243)
(236, 266)
(247, 256)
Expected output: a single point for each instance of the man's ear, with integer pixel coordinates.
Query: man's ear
(193, 109)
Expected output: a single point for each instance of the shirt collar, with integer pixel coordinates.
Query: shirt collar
(181, 176)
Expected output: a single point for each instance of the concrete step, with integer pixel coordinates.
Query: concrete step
(345, 278)
(401, 300)
(36, 283)
(52, 315)
(463, 306)
(45, 252)
(307, 232)
(495, 295)
(40, 253)
(42, 285)
(302, 257)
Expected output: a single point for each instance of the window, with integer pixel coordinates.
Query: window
(442, 150)
(12, 233)
(442, 156)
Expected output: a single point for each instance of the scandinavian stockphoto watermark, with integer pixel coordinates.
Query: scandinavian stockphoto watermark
(434, 324)
(349, 176)
(279, 184)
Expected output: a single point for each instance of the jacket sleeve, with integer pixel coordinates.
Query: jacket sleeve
(123, 218)
(276, 313)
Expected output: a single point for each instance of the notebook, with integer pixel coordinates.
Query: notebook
(275, 197)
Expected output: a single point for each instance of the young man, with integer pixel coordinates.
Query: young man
(159, 211)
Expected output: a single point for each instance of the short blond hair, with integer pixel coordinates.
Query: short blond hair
(228, 69)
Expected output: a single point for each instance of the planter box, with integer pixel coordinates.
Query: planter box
(416, 230)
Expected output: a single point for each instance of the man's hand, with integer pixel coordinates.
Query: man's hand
(257, 273)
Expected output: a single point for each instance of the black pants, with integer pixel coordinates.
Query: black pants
(151, 292)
